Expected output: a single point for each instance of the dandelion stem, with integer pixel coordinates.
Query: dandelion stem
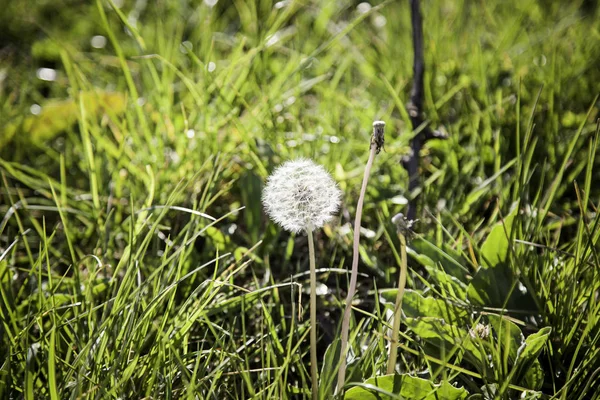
(393, 353)
(353, 275)
(313, 315)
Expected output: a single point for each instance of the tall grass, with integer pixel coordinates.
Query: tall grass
(135, 260)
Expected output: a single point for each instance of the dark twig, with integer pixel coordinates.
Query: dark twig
(415, 109)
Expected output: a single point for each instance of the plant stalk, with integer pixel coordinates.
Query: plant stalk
(415, 111)
(353, 275)
(313, 316)
(393, 353)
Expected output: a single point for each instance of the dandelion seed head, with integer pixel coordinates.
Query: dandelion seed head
(301, 195)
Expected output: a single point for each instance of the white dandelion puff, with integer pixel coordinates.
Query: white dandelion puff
(300, 195)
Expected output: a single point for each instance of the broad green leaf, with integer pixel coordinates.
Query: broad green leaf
(415, 305)
(495, 284)
(503, 327)
(404, 387)
(533, 377)
(522, 353)
(527, 364)
(450, 282)
(448, 258)
(444, 338)
(534, 344)
(490, 286)
(498, 287)
(438, 330)
(495, 248)
(456, 287)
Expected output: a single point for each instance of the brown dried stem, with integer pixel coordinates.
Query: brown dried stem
(377, 141)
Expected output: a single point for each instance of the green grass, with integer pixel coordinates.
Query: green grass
(135, 258)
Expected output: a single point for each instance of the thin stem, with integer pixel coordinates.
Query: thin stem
(393, 354)
(415, 105)
(353, 275)
(313, 316)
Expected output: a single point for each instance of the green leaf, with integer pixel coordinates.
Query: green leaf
(534, 344)
(366, 257)
(457, 289)
(495, 284)
(455, 285)
(52, 379)
(329, 369)
(404, 387)
(251, 185)
(490, 286)
(533, 378)
(415, 305)
(522, 353)
(495, 248)
(503, 327)
(528, 366)
(444, 339)
(498, 287)
(448, 258)
(438, 331)
(483, 188)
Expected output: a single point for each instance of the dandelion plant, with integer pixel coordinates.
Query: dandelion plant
(301, 196)
(377, 140)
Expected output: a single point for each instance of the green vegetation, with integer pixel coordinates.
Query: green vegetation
(135, 257)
